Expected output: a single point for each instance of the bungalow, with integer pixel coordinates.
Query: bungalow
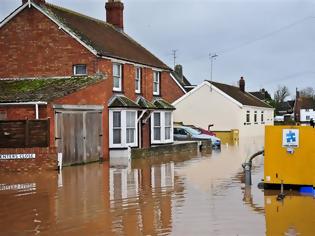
(224, 107)
(305, 109)
(101, 90)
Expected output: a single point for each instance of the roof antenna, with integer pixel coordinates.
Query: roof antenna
(212, 57)
(174, 56)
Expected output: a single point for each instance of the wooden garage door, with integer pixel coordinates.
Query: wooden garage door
(79, 136)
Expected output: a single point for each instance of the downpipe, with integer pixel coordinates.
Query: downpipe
(247, 167)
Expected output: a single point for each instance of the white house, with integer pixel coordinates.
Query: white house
(225, 107)
(306, 107)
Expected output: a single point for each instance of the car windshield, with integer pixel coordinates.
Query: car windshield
(192, 131)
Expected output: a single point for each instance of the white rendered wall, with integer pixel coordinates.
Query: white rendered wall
(304, 113)
(206, 106)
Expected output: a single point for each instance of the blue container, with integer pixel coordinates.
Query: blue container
(307, 190)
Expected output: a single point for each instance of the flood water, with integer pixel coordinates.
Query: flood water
(183, 194)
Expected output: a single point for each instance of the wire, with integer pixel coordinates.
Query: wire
(268, 35)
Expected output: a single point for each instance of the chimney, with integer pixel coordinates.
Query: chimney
(35, 1)
(242, 84)
(115, 13)
(179, 72)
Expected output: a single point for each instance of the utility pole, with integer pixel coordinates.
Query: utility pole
(212, 58)
(174, 56)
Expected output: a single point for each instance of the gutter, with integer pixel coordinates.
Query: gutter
(26, 104)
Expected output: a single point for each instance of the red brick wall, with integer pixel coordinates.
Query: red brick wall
(170, 91)
(23, 112)
(46, 159)
(31, 45)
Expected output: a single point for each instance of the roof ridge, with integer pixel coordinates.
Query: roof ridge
(79, 14)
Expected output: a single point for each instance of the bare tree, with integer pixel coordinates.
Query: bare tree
(281, 93)
(307, 92)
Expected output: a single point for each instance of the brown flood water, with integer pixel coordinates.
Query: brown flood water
(196, 194)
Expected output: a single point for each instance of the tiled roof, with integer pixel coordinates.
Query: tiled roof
(48, 89)
(144, 103)
(162, 104)
(121, 101)
(102, 37)
(258, 95)
(244, 98)
(307, 103)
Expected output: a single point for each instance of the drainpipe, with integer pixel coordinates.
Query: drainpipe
(247, 166)
(26, 104)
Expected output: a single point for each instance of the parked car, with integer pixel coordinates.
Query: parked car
(204, 131)
(182, 133)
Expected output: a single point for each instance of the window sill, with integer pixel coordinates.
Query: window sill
(117, 90)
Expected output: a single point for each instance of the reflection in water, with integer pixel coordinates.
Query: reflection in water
(292, 216)
(190, 194)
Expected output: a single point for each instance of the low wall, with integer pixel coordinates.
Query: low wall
(28, 159)
(178, 147)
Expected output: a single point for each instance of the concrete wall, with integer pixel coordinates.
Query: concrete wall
(204, 107)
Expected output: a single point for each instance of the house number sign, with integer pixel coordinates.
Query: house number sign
(16, 156)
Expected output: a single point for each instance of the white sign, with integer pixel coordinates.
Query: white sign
(16, 156)
(290, 138)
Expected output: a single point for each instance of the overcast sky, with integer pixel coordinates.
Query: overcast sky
(269, 42)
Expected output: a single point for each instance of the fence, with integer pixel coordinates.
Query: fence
(24, 133)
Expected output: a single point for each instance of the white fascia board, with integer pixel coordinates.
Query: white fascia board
(78, 107)
(189, 93)
(23, 103)
(179, 85)
(61, 26)
(122, 61)
(13, 14)
(261, 108)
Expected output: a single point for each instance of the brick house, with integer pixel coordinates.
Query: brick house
(102, 91)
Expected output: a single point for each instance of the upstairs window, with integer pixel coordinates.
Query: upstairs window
(138, 80)
(262, 117)
(79, 69)
(248, 117)
(255, 116)
(3, 115)
(117, 77)
(156, 82)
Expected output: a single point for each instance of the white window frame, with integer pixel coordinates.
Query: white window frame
(162, 125)
(138, 79)
(123, 117)
(156, 80)
(75, 69)
(119, 88)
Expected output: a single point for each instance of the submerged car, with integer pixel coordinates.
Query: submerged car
(182, 133)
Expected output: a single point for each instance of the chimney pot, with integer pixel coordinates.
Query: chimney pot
(115, 13)
(242, 84)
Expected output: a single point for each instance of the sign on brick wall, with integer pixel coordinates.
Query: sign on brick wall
(16, 156)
